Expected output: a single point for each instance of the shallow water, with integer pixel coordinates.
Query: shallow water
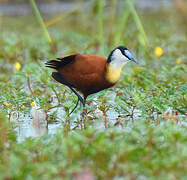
(25, 127)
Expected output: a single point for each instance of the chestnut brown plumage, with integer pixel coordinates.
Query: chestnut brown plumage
(89, 73)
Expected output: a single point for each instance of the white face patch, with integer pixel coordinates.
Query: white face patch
(118, 60)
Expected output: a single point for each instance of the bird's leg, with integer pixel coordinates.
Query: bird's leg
(79, 99)
(78, 95)
(74, 107)
(83, 101)
(83, 114)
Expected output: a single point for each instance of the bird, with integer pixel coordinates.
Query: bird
(89, 74)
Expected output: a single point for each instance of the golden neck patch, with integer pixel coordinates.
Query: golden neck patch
(112, 74)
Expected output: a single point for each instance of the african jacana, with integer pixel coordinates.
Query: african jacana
(90, 73)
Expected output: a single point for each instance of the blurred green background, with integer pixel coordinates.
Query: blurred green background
(145, 131)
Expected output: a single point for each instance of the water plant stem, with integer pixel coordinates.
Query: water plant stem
(40, 21)
(137, 21)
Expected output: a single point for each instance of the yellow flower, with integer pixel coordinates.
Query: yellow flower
(158, 51)
(17, 66)
(178, 61)
(22, 107)
(6, 104)
(32, 103)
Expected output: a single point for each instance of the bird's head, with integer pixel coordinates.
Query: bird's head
(120, 56)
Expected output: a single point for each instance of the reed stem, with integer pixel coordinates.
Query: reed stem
(120, 28)
(100, 18)
(137, 21)
(40, 21)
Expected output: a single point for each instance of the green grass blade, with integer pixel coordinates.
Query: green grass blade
(100, 18)
(0, 20)
(40, 21)
(137, 21)
(121, 25)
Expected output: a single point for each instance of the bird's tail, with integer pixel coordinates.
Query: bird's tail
(55, 64)
(60, 62)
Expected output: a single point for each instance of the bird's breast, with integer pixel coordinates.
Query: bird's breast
(112, 74)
